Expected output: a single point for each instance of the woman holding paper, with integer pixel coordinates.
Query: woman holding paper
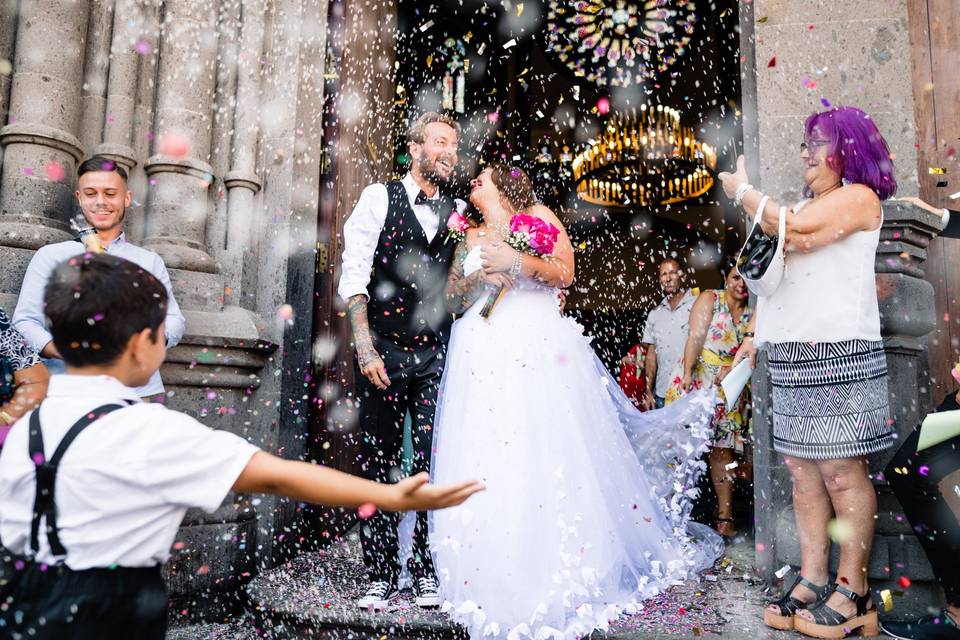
(821, 326)
(719, 322)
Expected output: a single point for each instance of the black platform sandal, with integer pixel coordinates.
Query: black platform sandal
(828, 623)
(788, 605)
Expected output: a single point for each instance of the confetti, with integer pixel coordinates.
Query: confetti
(923, 470)
(782, 571)
(809, 83)
(732, 465)
(772, 63)
(840, 530)
(6, 67)
(937, 171)
(142, 47)
(174, 144)
(54, 171)
(426, 25)
(904, 582)
(510, 43)
(285, 312)
(366, 510)
(603, 106)
(887, 600)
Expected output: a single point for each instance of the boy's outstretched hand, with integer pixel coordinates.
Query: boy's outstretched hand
(417, 494)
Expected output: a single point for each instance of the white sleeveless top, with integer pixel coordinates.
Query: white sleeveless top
(826, 295)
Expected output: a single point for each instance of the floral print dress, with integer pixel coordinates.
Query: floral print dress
(719, 348)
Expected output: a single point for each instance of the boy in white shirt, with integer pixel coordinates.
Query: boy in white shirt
(117, 475)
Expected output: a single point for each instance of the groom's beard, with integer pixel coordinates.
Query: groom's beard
(428, 169)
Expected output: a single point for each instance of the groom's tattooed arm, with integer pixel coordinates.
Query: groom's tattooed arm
(371, 364)
(462, 290)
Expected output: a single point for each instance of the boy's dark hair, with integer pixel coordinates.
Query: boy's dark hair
(94, 303)
(100, 163)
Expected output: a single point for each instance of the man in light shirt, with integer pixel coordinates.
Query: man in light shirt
(396, 258)
(665, 332)
(104, 197)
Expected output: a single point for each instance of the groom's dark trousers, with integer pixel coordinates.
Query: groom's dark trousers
(414, 374)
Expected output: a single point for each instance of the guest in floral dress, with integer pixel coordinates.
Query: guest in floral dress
(23, 378)
(719, 321)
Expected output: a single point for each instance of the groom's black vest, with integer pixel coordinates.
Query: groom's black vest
(409, 276)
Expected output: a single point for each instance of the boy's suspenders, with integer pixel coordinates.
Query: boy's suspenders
(44, 504)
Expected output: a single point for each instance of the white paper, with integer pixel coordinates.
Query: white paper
(734, 383)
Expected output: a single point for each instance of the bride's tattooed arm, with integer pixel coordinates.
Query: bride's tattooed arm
(371, 364)
(462, 291)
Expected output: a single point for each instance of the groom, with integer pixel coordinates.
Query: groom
(395, 264)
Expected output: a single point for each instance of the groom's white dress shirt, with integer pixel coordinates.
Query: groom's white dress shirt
(361, 232)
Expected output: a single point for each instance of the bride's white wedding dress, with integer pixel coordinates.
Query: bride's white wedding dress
(586, 509)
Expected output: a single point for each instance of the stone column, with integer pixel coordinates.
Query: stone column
(121, 93)
(242, 181)
(42, 130)
(180, 173)
(845, 54)
(8, 36)
(97, 61)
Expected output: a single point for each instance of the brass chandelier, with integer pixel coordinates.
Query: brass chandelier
(644, 157)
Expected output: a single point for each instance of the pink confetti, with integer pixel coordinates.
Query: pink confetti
(603, 106)
(54, 171)
(366, 510)
(809, 83)
(174, 144)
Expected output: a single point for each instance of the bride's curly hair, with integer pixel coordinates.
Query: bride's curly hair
(515, 185)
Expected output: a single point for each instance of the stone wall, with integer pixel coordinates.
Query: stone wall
(215, 109)
(798, 57)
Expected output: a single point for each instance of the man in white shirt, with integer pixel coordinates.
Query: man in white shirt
(103, 196)
(396, 258)
(665, 332)
(94, 483)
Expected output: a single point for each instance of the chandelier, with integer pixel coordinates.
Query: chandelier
(644, 157)
(619, 43)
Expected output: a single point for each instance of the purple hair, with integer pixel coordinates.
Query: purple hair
(857, 151)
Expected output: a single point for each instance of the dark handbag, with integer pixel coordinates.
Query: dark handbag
(761, 260)
(7, 384)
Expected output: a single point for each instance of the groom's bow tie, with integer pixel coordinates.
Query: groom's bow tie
(436, 204)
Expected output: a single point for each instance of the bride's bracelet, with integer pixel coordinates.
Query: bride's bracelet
(741, 191)
(517, 265)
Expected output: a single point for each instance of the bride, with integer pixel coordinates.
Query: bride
(587, 503)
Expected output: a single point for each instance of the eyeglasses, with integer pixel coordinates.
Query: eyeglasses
(811, 145)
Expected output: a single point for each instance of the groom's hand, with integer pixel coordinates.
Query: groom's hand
(372, 367)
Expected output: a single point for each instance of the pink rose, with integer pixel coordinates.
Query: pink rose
(523, 223)
(457, 222)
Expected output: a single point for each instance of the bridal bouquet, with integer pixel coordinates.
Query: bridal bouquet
(528, 234)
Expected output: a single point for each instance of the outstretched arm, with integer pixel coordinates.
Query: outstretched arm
(266, 473)
(371, 364)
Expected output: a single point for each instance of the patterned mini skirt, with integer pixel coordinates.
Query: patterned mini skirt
(829, 399)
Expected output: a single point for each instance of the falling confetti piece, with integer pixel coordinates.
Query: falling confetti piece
(493, 117)
(6, 68)
(840, 530)
(887, 600)
(54, 171)
(174, 144)
(510, 43)
(825, 102)
(732, 465)
(285, 312)
(142, 47)
(772, 63)
(603, 106)
(809, 83)
(937, 171)
(426, 25)
(782, 571)
(904, 582)
(519, 9)
(366, 510)
(923, 470)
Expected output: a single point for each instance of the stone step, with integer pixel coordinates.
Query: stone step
(313, 596)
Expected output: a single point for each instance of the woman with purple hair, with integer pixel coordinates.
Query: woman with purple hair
(821, 328)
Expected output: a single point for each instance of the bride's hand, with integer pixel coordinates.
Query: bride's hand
(497, 257)
(498, 280)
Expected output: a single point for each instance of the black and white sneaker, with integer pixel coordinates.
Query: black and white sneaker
(426, 591)
(380, 594)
